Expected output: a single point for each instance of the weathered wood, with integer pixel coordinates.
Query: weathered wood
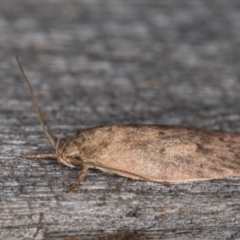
(116, 61)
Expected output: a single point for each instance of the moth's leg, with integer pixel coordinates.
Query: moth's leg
(39, 155)
(80, 177)
(39, 225)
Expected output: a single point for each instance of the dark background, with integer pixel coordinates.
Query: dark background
(96, 62)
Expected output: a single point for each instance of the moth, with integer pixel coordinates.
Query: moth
(157, 153)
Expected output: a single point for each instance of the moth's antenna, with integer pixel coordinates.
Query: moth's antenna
(36, 105)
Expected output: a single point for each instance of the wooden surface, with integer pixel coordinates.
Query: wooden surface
(115, 61)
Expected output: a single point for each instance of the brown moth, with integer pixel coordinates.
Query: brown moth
(157, 153)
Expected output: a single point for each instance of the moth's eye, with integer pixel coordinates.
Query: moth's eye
(76, 159)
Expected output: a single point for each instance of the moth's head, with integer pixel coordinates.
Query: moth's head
(68, 155)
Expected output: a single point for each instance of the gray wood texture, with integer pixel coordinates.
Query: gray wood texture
(95, 62)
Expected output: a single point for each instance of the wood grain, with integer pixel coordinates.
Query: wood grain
(106, 62)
